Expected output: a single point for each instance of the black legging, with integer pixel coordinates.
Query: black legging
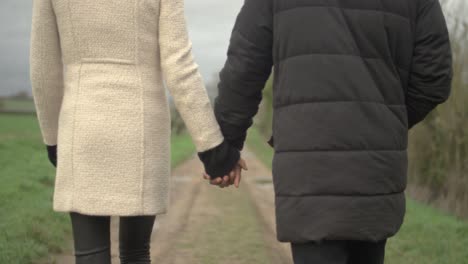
(92, 239)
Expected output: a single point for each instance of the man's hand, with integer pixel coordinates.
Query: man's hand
(234, 176)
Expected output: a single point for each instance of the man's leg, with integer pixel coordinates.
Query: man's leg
(326, 252)
(91, 236)
(363, 252)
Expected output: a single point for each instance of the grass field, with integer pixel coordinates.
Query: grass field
(182, 148)
(26, 190)
(12, 104)
(428, 236)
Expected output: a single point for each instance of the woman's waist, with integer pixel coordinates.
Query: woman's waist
(111, 76)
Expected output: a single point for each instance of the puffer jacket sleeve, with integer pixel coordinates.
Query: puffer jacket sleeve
(246, 70)
(46, 69)
(431, 73)
(187, 88)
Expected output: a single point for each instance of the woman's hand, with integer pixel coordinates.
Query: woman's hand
(234, 176)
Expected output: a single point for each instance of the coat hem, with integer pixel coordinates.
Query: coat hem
(96, 212)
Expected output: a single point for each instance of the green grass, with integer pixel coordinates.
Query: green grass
(257, 142)
(12, 104)
(430, 237)
(427, 236)
(29, 228)
(182, 148)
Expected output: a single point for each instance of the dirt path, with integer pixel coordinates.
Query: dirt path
(258, 181)
(206, 224)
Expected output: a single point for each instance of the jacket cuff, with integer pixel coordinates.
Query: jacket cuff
(418, 110)
(413, 118)
(221, 160)
(238, 142)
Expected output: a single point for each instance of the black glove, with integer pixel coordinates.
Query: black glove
(221, 160)
(52, 153)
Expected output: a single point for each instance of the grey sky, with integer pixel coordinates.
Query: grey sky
(210, 24)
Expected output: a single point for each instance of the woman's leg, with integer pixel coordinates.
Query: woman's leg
(91, 236)
(135, 238)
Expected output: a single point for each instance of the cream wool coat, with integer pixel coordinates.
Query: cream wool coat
(97, 69)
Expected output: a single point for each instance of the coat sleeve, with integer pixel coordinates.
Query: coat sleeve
(246, 70)
(431, 72)
(188, 91)
(46, 69)
(183, 78)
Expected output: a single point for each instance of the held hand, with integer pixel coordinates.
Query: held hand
(220, 181)
(242, 165)
(234, 176)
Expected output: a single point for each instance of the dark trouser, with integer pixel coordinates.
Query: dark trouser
(339, 252)
(92, 239)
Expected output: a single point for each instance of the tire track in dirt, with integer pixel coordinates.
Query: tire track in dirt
(258, 180)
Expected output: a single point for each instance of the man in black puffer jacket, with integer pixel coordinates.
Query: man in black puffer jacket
(350, 78)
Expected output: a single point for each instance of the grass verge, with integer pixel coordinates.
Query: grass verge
(182, 148)
(29, 228)
(428, 236)
(26, 194)
(259, 146)
(12, 104)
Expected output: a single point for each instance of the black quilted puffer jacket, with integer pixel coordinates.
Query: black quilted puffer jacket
(350, 78)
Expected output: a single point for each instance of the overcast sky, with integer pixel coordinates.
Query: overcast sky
(210, 24)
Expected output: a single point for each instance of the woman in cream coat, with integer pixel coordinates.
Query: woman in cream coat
(97, 69)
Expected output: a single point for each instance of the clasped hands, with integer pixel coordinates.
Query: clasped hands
(233, 178)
